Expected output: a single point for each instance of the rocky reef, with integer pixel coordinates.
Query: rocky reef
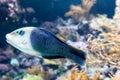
(96, 34)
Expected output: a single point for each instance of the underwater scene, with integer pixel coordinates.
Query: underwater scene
(59, 40)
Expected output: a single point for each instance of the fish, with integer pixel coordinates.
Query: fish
(40, 42)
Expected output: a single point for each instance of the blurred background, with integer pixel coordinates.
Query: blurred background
(19, 13)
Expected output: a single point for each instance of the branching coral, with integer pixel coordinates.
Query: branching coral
(66, 34)
(115, 77)
(106, 48)
(35, 69)
(39, 71)
(75, 74)
(79, 13)
(116, 17)
(103, 24)
(97, 76)
(78, 75)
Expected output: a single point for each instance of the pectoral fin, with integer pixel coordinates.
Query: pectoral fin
(54, 62)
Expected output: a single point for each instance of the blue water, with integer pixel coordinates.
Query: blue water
(47, 10)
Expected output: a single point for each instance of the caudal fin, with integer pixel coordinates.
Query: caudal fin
(76, 55)
(78, 52)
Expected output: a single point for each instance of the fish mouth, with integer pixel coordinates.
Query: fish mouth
(10, 42)
(13, 44)
(8, 37)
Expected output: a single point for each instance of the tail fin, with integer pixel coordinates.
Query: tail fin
(76, 55)
(78, 52)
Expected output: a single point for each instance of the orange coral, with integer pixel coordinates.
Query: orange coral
(107, 48)
(116, 77)
(79, 13)
(38, 70)
(75, 12)
(97, 76)
(76, 74)
(87, 4)
(35, 69)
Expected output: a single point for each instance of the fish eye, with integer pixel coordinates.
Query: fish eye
(21, 32)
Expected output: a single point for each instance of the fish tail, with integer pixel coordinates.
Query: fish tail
(77, 55)
(76, 59)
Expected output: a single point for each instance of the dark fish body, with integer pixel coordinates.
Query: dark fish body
(51, 47)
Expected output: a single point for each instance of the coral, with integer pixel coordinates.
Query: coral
(6, 53)
(106, 45)
(78, 75)
(97, 76)
(103, 24)
(11, 9)
(106, 48)
(75, 74)
(79, 13)
(4, 67)
(32, 77)
(116, 16)
(50, 26)
(66, 34)
(26, 61)
(35, 69)
(115, 77)
(38, 70)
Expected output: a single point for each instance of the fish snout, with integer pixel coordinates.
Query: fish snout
(8, 36)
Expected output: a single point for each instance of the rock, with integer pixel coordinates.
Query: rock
(4, 67)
